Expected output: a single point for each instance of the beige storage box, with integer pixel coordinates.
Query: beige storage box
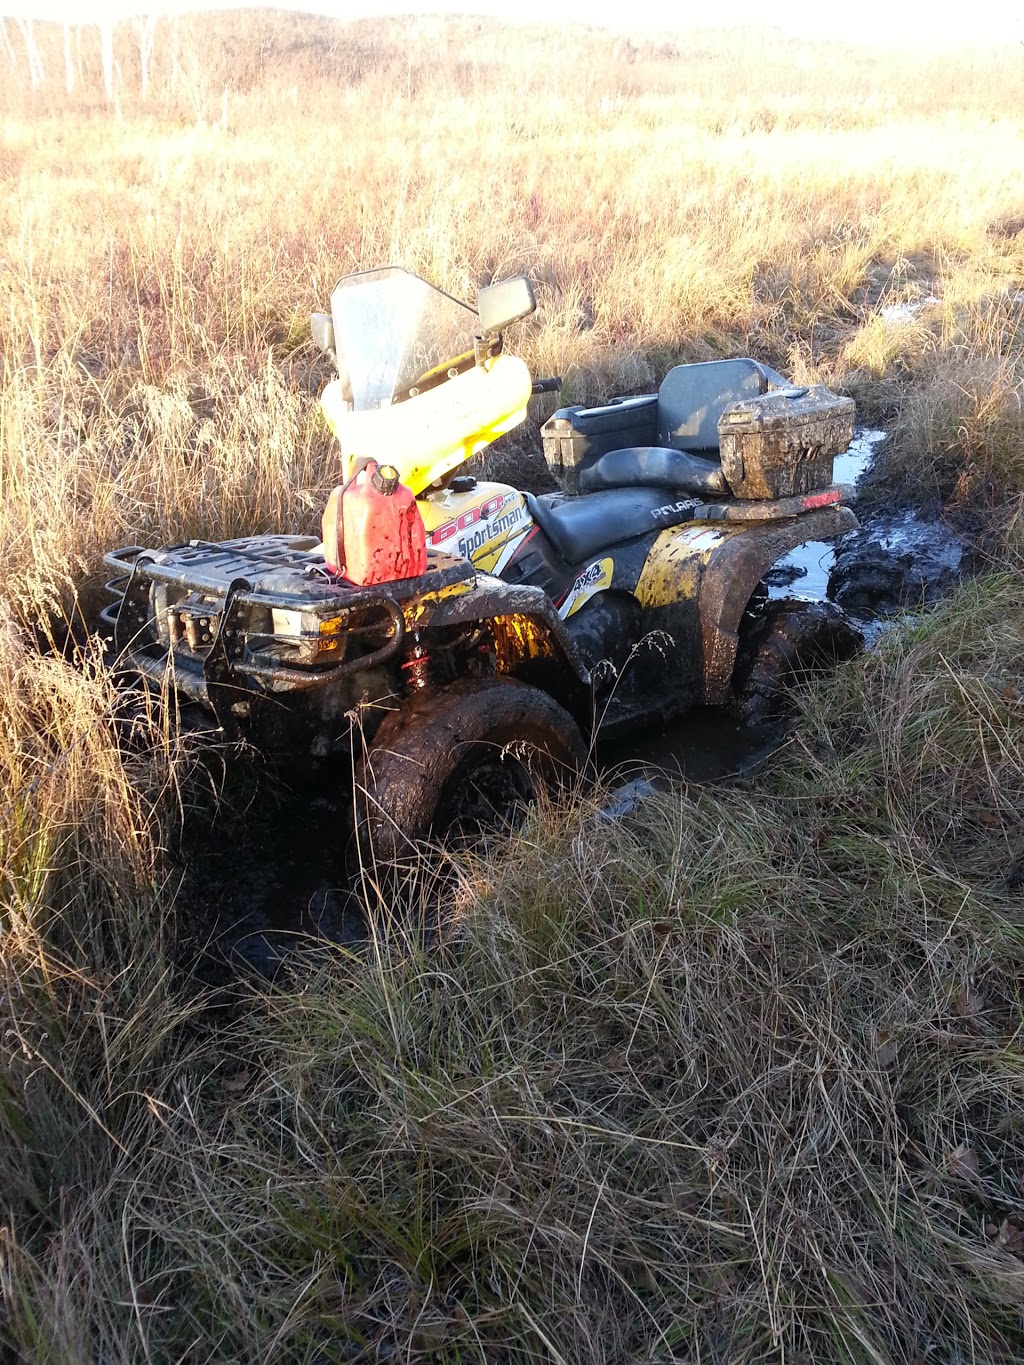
(783, 442)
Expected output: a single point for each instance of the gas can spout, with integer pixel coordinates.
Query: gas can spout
(385, 479)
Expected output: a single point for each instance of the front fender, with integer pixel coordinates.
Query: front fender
(531, 641)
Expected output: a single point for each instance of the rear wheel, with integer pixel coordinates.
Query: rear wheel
(459, 761)
(783, 643)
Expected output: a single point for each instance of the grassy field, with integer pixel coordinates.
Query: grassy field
(738, 1079)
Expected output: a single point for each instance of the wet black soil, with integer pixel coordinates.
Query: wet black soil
(265, 871)
(895, 563)
(270, 869)
(898, 560)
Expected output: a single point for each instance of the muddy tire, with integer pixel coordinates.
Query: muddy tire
(783, 644)
(459, 761)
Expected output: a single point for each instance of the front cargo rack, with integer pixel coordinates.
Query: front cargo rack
(218, 670)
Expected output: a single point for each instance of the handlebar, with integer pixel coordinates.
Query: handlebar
(547, 385)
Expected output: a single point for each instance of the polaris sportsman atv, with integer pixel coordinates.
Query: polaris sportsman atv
(461, 639)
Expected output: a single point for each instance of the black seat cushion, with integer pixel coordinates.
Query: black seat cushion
(654, 467)
(579, 527)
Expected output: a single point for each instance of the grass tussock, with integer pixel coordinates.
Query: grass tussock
(735, 1079)
(958, 436)
(91, 1020)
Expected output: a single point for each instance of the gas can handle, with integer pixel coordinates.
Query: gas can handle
(339, 511)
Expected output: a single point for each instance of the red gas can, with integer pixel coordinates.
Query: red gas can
(373, 530)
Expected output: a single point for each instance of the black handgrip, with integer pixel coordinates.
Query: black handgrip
(547, 385)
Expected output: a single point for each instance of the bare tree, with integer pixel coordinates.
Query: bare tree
(107, 56)
(145, 31)
(35, 64)
(7, 45)
(175, 54)
(69, 69)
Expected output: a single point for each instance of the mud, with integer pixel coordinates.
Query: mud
(265, 874)
(896, 561)
(706, 745)
(269, 873)
(272, 874)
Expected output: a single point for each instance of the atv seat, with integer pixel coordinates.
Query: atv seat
(692, 398)
(683, 417)
(579, 527)
(655, 467)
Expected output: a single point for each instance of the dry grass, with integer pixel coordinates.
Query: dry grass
(736, 1080)
(160, 270)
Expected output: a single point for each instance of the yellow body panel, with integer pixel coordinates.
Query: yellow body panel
(419, 609)
(518, 638)
(672, 569)
(429, 435)
(595, 578)
(480, 524)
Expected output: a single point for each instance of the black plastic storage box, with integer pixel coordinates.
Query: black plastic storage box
(783, 442)
(577, 436)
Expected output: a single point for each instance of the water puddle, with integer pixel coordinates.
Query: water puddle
(893, 562)
(804, 573)
(900, 313)
(705, 745)
(848, 467)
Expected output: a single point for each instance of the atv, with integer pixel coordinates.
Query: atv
(461, 641)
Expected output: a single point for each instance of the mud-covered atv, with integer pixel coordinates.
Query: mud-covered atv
(462, 672)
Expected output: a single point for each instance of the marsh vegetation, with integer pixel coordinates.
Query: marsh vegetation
(737, 1078)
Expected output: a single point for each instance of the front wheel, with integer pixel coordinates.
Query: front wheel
(783, 643)
(459, 761)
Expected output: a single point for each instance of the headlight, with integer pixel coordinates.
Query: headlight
(312, 637)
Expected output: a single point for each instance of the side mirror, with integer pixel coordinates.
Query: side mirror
(501, 304)
(323, 332)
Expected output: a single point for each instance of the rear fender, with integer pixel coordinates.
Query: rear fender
(731, 573)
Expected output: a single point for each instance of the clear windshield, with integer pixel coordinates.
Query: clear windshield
(394, 333)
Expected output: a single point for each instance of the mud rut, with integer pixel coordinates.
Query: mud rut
(266, 870)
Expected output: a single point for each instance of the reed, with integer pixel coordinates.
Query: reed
(737, 1078)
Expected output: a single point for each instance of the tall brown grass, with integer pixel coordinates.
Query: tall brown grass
(161, 265)
(737, 1080)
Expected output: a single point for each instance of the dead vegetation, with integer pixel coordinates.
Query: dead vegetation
(162, 262)
(737, 1079)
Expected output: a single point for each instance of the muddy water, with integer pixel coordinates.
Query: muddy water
(706, 745)
(268, 874)
(805, 571)
(894, 562)
(273, 874)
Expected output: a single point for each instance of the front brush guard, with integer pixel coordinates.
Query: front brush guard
(222, 678)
